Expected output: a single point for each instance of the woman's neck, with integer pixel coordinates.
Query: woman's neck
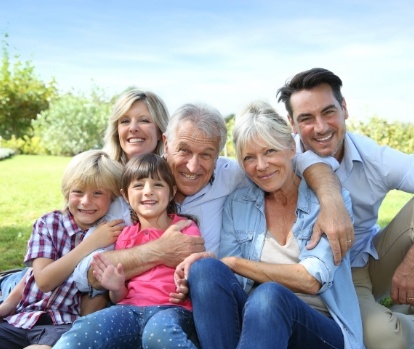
(286, 195)
(280, 211)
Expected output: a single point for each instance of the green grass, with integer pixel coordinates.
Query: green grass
(30, 187)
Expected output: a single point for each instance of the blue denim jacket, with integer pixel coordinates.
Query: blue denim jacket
(243, 234)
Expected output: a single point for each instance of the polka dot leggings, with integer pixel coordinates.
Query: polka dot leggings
(128, 326)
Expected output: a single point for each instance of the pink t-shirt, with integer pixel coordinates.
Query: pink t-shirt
(155, 285)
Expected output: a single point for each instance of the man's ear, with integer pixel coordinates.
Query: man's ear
(293, 150)
(164, 139)
(125, 195)
(345, 109)
(292, 124)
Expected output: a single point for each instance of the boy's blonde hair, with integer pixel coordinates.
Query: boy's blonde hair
(94, 169)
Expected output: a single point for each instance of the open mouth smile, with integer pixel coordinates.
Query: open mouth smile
(325, 139)
(135, 140)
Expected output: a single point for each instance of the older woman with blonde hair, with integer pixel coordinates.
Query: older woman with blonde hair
(268, 290)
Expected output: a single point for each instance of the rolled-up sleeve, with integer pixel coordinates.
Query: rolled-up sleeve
(80, 274)
(321, 269)
(309, 158)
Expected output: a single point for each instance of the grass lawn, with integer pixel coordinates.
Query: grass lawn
(30, 187)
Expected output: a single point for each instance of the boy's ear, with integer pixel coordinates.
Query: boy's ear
(125, 196)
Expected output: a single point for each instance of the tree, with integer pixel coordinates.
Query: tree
(22, 95)
(73, 123)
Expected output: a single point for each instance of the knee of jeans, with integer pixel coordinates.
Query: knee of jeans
(203, 271)
(267, 297)
(166, 327)
(383, 331)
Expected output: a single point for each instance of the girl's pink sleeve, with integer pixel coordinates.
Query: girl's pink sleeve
(192, 230)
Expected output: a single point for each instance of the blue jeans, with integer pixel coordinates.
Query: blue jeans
(271, 317)
(129, 326)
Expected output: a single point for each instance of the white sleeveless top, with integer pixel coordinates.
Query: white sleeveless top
(275, 253)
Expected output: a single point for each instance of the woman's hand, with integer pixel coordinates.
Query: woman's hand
(181, 274)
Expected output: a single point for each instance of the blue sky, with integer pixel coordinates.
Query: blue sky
(224, 53)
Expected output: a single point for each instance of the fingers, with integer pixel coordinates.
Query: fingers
(120, 269)
(180, 225)
(316, 236)
(336, 245)
(116, 222)
(177, 298)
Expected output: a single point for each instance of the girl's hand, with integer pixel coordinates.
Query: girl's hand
(181, 293)
(106, 233)
(112, 278)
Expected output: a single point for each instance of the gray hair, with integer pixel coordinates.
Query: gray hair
(156, 108)
(207, 119)
(261, 124)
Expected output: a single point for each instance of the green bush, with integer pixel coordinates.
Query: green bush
(73, 123)
(25, 145)
(397, 135)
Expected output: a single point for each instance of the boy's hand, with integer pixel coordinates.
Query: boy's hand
(112, 278)
(106, 233)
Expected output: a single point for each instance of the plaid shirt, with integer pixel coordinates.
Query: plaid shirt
(54, 235)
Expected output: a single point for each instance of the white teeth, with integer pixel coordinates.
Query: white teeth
(324, 139)
(149, 202)
(135, 140)
(189, 176)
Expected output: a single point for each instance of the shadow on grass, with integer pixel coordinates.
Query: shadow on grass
(13, 244)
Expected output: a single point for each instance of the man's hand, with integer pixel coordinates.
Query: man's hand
(173, 246)
(335, 222)
(402, 285)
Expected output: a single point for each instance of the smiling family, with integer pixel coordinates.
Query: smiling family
(279, 249)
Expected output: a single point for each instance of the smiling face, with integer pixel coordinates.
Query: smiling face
(88, 205)
(319, 119)
(149, 198)
(138, 134)
(268, 168)
(192, 157)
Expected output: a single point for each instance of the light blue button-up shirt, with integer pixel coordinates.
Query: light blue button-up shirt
(368, 171)
(243, 234)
